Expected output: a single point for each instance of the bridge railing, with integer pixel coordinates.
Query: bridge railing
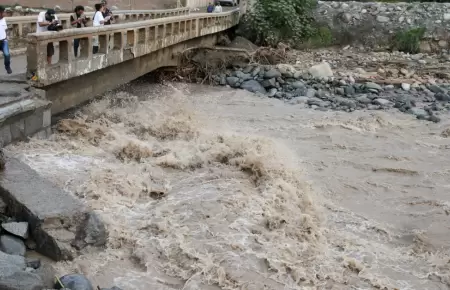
(21, 26)
(118, 43)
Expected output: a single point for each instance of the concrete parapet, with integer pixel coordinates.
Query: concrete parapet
(59, 224)
(21, 26)
(118, 43)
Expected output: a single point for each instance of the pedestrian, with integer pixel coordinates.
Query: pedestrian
(4, 41)
(210, 8)
(45, 18)
(218, 8)
(77, 20)
(98, 20)
(107, 12)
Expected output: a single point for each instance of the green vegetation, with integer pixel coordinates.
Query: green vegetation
(273, 21)
(322, 37)
(409, 40)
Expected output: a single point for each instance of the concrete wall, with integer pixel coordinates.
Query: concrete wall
(374, 23)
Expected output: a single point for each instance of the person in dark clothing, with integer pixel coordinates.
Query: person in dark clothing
(77, 20)
(107, 12)
(210, 8)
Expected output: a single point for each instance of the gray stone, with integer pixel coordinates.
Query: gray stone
(94, 232)
(233, 81)
(298, 84)
(310, 93)
(12, 245)
(9, 264)
(340, 91)
(406, 87)
(320, 71)
(2, 204)
(33, 263)
(272, 73)
(373, 86)
(382, 19)
(22, 280)
(243, 76)
(300, 92)
(272, 92)
(349, 90)
(76, 282)
(436, 89)
(419, 113)
(269, 83)
(364, 99)
(253, 86)
(442, 97)
(316, 102)
(302, 100)
(112, 288)
(382, 102)
(256, 71)
(19, 229)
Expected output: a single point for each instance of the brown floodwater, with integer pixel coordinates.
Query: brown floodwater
(214, 188)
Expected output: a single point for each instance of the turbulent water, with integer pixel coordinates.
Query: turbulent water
(211, 188)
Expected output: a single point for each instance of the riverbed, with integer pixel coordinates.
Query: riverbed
(215, 188)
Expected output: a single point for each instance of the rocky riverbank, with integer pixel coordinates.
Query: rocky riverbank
(349, 79)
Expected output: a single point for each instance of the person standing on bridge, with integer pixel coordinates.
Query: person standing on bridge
(4, 41)
(107, 12)
(45, 18)
(77, 20)
(218, 8)
(98, 21)
(210, 8)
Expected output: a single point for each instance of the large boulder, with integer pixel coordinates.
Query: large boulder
(12, 245)
(13, 275)
(74, 282)
(253, 86)
(321, 71)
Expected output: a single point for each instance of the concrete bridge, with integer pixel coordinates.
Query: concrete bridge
(127, 51)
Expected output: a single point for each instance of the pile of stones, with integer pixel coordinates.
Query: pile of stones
(317, 88)
(20, 272)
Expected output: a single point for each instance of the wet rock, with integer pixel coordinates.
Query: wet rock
(243, 76)
(434, 118)
(272, 73)
(253, 86)
(419, 113)
(19, 229)
(12, 245)
(2, 206)
(442, 97)
(33, 263)
(382, 102)
(94, 233)
(74, 282)
(316, 102)
(233, 81)
(373, 86)
(21, 280)
(256, 71)
(364, 99)
(272, 92)
(269, 83)
(310, 93)
(349, 90)
(321, 71)
(436, 89)
(298, 84)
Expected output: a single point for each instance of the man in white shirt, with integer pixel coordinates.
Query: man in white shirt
(218, 8)
(45, 18)
(4, 41)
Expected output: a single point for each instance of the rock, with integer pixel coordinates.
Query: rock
(316, 102)
(272, 73)
(349, 90)
(47, 274)
(300, 92)
(272, 92)
(74, 282)
(298, 74)
(436, 89)
(22, 280)
(442, 97)
(12, 245)
(19, 229)
(270, 83)
(243, 76)
(286, 70)
(340, 91)
(113, 288)
(320, 71)
(419, 113)
(33, 263)
(406, 87)
(310, 93)
(9, 264)
(298, 85)
(382, 19)
(233, 81)
(253, 86)
(2, 205)
(434, 118)
(364, 99)
(382, 102)
(94, 233)
(301, 100)
(256, 71)
(389, 88)
(373, 86)
(30, 244)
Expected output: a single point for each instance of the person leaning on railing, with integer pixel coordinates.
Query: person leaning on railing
(98, 20)
(77, 20)
(46, 18)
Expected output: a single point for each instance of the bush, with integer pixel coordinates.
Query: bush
(272, 21)
(409, 41)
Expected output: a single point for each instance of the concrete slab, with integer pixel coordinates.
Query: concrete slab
(57, 221)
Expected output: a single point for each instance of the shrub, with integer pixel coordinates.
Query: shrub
(272, 21)
(409, 40)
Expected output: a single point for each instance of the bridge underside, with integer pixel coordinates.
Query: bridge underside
(70, 93)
